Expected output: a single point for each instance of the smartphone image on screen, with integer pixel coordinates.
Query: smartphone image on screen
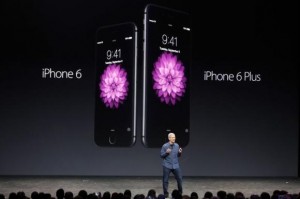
(115, 89)
(166, 86)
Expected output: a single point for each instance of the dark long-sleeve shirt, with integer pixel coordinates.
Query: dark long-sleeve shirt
(170, 160)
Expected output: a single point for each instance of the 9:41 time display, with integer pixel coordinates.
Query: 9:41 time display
(113, 54)
(169, 40)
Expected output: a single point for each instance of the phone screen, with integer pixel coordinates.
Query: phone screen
(115, 89)
(166, 96)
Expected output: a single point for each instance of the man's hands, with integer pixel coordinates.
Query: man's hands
(169, 150)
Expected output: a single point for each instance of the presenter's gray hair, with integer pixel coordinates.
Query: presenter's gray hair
(169, 135)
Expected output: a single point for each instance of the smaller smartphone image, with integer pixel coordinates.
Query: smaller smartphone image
(115, 87)
(166, 76)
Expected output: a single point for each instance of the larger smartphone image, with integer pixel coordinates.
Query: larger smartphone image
(166, 86)
(115, 89)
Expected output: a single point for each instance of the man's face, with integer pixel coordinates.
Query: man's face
(172, 138)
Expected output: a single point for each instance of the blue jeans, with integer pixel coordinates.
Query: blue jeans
(178, 177)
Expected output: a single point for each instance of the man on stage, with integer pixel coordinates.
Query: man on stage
(169, 153)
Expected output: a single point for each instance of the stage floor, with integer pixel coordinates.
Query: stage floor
(141, 185)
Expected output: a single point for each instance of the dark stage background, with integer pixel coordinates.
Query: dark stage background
(238, 128)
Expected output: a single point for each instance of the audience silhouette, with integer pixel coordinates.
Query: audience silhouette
(127, 194)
